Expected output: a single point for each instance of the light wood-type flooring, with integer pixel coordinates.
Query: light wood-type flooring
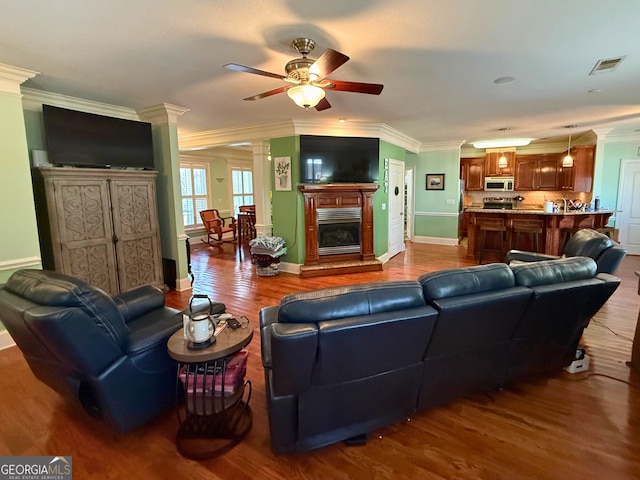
(582, 426)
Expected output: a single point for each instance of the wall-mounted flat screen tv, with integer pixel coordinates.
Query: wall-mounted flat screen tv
(339, 159)
(88, 140)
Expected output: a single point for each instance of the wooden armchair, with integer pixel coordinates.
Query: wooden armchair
(216, 226)
(249, 225)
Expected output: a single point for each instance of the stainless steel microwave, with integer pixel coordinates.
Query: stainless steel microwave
(498, 184)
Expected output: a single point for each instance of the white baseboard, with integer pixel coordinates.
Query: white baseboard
(5, 340)
(384, 258)
(436, 240)
(290, 267)
(183, 284)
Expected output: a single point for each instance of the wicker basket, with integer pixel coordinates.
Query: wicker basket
(270, 271)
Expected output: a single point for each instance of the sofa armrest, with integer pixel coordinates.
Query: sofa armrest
(610, 259)
(522, 256)
(139, 301)
(292, 353)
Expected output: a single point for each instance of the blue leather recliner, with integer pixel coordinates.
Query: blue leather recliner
(584, 243)
(106, 354)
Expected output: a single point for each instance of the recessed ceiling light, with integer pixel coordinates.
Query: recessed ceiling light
(503, 80)
(595, 90)
(342, 120)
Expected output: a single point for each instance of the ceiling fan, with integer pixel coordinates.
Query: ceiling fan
(307, 77)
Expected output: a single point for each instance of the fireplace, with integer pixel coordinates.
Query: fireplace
(338, 230)
(338, 223)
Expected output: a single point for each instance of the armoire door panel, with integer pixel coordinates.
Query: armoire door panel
(83, 231)
(136, 231)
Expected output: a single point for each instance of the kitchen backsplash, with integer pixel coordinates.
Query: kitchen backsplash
(530, 198)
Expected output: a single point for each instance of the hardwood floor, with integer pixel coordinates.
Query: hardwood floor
(582, 426)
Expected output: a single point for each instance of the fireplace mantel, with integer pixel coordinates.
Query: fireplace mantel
(338, 195)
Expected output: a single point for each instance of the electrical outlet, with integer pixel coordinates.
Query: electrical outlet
(451, 201)
(384, 206)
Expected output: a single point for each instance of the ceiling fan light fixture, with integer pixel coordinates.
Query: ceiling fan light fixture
(306, 96)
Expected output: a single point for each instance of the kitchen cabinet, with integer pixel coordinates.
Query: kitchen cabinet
(100, 226)
(491, 168)
(536, 172)
(579, 178)
(472, 172)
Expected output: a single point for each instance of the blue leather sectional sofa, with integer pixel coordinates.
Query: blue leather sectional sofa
(342, 362)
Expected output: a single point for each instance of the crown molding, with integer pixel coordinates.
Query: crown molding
(358, 129)
(441, 146)
(255, 133)
(162, 113)
(11, 77)
(223, 153)
(619, 137)
(33, 100)
(227, 136)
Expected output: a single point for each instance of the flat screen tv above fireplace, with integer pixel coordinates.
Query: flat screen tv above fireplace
(82, 139)
(339, 159)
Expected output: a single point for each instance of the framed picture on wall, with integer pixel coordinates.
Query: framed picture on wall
(435, 181)
(282, 171)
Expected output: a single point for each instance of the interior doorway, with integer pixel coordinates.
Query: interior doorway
(628, 218)
(408, 203)
(396, 208)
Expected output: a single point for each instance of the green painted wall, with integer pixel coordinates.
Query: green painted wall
(288, 207)
(19, 235)
(220, 190)
(380, 216)
(433, 216)
(606, 179)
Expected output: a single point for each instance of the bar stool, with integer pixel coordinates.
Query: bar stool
(606, 230)
(491, 227)
(568, 233)
(534, 230)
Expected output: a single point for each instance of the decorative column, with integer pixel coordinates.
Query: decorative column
(262, 171)
(164, 121)
(19, 236)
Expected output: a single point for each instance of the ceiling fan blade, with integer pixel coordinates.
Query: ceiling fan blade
(323, 104)
(357, 87)
(241, 68)
(327, 63)
(269, 93)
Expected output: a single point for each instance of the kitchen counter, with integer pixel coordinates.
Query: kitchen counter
(528, 211)
(555, 227)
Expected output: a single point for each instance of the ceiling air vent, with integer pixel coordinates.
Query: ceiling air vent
(606, 65)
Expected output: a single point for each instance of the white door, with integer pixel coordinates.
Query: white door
(628, 220)
(408, 204)
(396, 207)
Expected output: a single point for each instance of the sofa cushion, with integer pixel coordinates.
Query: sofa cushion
(587, 243)
(350, 301)
(465, 281)
(548, 272)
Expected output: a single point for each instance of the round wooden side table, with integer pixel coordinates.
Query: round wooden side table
(214, 417)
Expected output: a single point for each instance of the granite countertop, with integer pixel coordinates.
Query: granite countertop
(529, 211)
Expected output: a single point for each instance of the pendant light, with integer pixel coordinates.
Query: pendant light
(568, 160)
(502, 161)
